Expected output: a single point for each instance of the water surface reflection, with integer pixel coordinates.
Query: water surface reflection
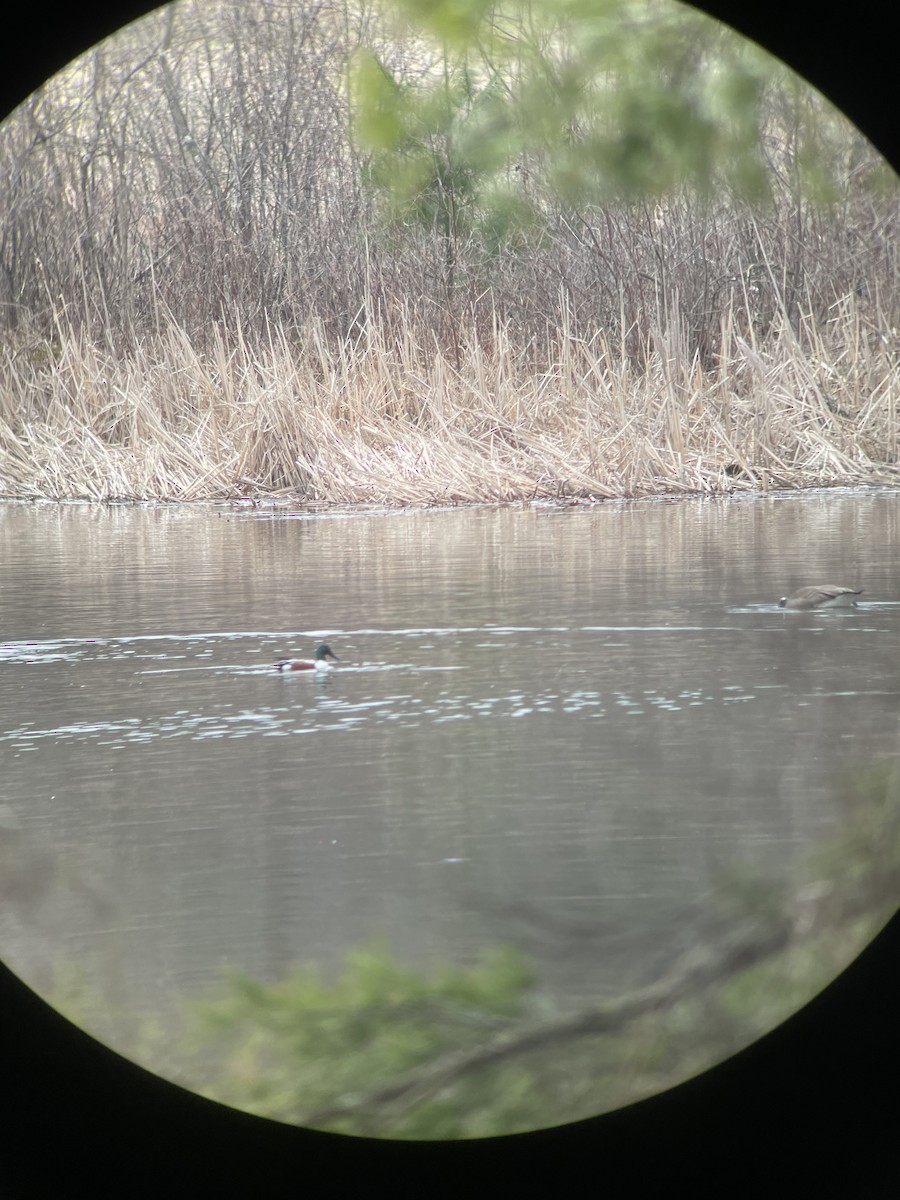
(553, 729)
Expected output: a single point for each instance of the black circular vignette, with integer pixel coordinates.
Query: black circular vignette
(810, 1109)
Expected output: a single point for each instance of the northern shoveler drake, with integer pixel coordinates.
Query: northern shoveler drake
(319, 663)
(827, 595)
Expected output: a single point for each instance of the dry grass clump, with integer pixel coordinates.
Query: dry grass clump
(389, 418)
(202, 168)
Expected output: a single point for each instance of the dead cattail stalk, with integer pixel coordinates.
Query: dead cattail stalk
(387, 418)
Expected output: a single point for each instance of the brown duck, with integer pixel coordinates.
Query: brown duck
(826, 595)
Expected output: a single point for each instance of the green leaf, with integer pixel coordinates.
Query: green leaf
(378, 107)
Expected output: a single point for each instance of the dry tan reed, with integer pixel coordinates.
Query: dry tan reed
(390, 420)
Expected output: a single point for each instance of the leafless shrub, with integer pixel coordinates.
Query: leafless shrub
(199, 297)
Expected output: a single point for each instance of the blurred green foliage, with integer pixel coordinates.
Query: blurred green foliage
(304, 1044)
(341, 1053)
(498, 112)
(859, 868)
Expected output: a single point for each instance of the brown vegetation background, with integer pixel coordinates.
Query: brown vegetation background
(200, 298)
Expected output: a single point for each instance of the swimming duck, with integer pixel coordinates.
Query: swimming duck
(319, 663)
(827, 595)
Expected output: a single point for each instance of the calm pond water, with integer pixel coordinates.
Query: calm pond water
(550, 728)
